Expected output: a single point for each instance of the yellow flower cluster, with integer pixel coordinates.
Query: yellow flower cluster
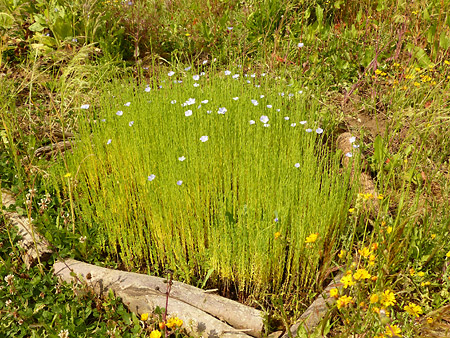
(334, 293)
(155, 334)
(344, 301)
(387, 298)
(312, 238)
(361, 274)
(393, 331)
(413, 309)
(174, 322)
(347, 280)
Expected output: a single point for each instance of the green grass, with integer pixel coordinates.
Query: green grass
(234, 185)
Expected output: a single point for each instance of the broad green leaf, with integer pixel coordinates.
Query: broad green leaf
(319, 14)
(36, 27)
(62, 28)
(378, 150)
(444, 41)
(6, 20)
(338, 3)
(421, 57)
(381, 5)
(426, 14)
(359, 16)
(40, 19)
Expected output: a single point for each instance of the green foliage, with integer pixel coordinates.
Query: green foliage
(31, 302)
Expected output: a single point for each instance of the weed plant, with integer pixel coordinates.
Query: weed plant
(224, 171)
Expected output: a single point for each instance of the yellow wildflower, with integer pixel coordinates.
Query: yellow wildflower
(347, 280)
(417, 84)
(421, 274)
(389, 230)
(393, 331)
(67, 175)
(312, 238)
(361, 274)
(343, 253)
(343, 301)
(144, 316)
(187, 34)
(378, 72)
(155, 334)
(174, 322)
(368, 196)
(334, 292)
(447, 62)
(387, 298)
(433, 236)
(412, 272)
(380, 196)
(374, 298)
(448, 254)
(374, 246)
(351, 210)
(365, 252)
(425, 283)
(413, 309)
(430, 320)
(277, 235)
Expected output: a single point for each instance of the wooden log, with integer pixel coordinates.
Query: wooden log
(201, 311)
(54, 148)
(33, 243)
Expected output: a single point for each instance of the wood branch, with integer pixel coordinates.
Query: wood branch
(55, 133)
(202, 312)
(52, 149)
(311, 318)
(36, 247)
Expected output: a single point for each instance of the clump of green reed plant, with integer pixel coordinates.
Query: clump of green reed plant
(225, 171)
